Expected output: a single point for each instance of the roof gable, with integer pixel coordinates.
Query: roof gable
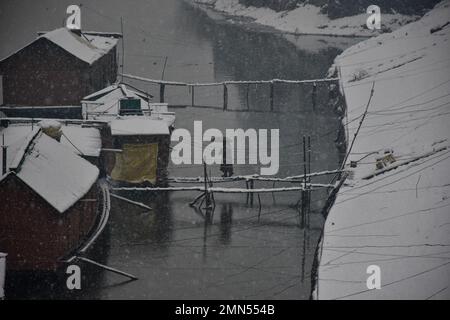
(87, 48)
(55, 172)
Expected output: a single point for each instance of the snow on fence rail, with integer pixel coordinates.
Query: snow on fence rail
(255, 177)
(163, 83)
(309, 187)
(212, 84)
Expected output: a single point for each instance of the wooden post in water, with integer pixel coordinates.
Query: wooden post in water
(192, 96)
(207, 198)
(259, 208)
(271, 95)
(225, 97)
(304, 183)
(162, 88)
(248, 194)
(252, 185)
(309, 183)
(132, 277)
(247, 98)
(314, 96)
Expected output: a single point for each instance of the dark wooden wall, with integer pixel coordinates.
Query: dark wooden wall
(43, 74)
(33, 233)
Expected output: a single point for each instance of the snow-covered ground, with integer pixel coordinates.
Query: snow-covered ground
(396, 217)
(307, 19)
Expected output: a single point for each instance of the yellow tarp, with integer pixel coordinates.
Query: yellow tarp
(137, 163)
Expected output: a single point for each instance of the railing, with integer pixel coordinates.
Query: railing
(225, 85)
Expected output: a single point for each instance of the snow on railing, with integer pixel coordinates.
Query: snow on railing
(309, 187)
(212, 84)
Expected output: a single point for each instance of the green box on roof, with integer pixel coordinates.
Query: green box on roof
(130, 106)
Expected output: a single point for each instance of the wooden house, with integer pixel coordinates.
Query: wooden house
(121, 100)
(138, 129)
(144, 145)
(49, 200)
(59, 68)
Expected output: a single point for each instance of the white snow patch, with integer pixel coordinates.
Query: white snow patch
(86, 47)
(306, 19)
(55, 173)
(138, 126)
(83, 141)
(398, 220)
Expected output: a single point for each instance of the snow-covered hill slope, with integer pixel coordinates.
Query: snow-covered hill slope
(308, 19)
(396, 216)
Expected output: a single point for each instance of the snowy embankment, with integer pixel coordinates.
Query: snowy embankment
(396, 217)
(306, 19)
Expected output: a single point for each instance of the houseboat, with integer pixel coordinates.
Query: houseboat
(50, 203)
(138, 134)
(36, 79)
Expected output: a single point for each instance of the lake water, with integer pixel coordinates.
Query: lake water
(239, 251)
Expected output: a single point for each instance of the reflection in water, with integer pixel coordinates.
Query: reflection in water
(134, 225)
(226, 221)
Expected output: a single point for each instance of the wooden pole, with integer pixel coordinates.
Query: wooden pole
(271, 95)
(192, 96)
(252, 185)
(248, 194)
(309, 181)
(247, 98)
(304, 183)
(259, 202)
(164, 68)
(314, 95)
(208, 200)
(273, 194)
(139, 204)
(162, 87)
(225, 97)
(304, 255)
(259, 208)
(123, 46)
(107, 268)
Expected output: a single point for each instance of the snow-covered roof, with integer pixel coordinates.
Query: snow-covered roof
(16, 138)
(138, 126)
(104, 104)
(83, 141)
(107, 99)
(54, 172)
(85, 47)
